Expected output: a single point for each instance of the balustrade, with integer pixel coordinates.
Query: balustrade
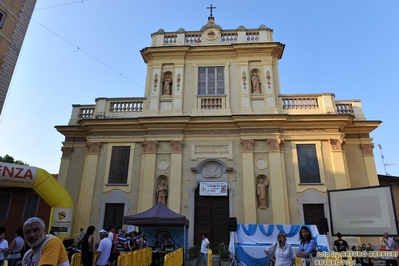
(300, 103)
(126, 107)
(193, 38)
(86, 112)
(170, 38)
(253, 36)
(211, 103)
(229, 37)
(344, 108)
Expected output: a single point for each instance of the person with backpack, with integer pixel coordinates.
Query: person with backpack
(340, 244)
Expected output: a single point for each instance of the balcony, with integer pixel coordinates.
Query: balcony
(106, 108)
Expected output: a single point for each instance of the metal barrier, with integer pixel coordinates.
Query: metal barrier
(141, 257)
(209, 257)
(76, 259)
(174, 258)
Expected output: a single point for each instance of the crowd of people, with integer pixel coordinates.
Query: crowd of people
(35, 245)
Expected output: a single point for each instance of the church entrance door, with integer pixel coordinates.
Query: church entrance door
(211, 217)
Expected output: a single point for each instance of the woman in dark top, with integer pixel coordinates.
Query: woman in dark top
(87, 246)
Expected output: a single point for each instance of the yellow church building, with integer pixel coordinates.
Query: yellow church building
(214, 127)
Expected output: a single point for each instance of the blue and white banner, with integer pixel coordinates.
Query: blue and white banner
(250, 240)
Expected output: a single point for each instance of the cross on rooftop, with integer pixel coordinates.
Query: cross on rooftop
(211, 7)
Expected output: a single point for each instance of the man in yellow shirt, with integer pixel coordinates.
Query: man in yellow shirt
(44, 250)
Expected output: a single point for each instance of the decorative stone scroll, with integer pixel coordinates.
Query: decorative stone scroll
(247, 145)
(178, 79)
(149, 146)
(244, 79)
(155, 82)
(367, 149)
(268, 78)
(337, 144)
(93, 147)
(275, 144)
(177, 146)
(67, 152)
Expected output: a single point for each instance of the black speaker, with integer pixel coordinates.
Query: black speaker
(323, 225)
(233, 224)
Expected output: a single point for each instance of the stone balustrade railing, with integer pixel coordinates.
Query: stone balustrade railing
(211, 102)
(240, 35)
(290, 104)
(324, 103)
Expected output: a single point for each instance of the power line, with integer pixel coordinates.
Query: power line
(95, 58)
(61, 5)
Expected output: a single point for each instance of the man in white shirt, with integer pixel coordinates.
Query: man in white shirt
(104, 249)
(204, 248)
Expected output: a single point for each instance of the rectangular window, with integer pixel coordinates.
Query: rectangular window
(31, 206)
(114, 213)
(119, 166)
(307, 163)
(5, 202)
(2, 18)
(211, 81)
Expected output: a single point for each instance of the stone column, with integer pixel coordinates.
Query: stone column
(277, 183)
(369, 162)
(340, 167)
(147, 176)
(248, 184)
(86, 193)
(65, 160)
(175, 178)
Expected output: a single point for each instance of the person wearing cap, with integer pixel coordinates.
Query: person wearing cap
(104, 249)
(44, 250)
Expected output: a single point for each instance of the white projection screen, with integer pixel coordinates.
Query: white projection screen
(368, 211)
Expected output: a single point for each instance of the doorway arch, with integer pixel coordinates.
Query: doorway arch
(210, 170)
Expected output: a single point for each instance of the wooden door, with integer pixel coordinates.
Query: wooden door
(312, 213)
(212, 218)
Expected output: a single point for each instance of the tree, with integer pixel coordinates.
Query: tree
(9, 159)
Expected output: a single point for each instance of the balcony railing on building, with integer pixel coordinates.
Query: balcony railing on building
(114, 108)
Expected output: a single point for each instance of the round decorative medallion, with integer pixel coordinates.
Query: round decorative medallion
(211, 34)
(261, 163)
(163, 164)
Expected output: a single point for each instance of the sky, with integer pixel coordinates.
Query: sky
(77, 51)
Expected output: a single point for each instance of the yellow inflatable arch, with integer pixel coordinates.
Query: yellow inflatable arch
(48, 189)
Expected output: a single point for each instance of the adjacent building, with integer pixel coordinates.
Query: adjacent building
(14, 21)
(214, 126)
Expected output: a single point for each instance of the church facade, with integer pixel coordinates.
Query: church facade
(214, 127)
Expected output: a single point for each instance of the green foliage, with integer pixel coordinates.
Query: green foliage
(9, 159)
(224, 252)
(194, 252)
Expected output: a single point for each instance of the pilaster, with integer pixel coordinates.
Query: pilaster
(369, 162)
(86, 194)
(340, 167)
(64, 166)
(278, 183)
(175, 179)
(248, 175)
(147, 176)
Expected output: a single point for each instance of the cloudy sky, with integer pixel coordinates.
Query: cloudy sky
(76, 51)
